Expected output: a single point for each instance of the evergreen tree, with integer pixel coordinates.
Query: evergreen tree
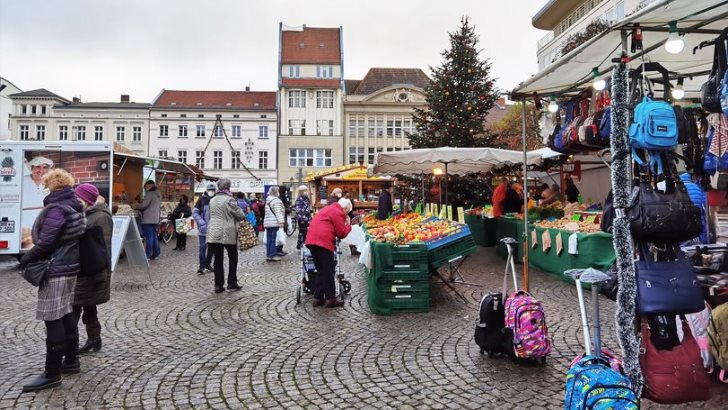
(458, 98)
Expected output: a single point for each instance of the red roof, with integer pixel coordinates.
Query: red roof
(311, 46)
(245, 100)
(379, 78)
(310, 83)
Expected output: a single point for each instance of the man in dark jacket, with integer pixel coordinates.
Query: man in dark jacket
(201, 215)
(150, 209)
(94, 289)
(384, 207)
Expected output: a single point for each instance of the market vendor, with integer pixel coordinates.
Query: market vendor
(551, 195)
(513, 202)
(384, 207)
(499, 194)
(571, 191)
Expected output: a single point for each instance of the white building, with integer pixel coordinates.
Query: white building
(183, 127)
(563, 18)
(40, 115)
(6, 106)
(310, 82)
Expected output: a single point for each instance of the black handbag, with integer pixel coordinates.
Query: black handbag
(35, 272)
(668, 287)
(94, 256)
(710, 90)
(668, 216)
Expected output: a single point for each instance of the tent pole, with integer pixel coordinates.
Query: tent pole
(446, 184)
(525, 197)
(423, 189)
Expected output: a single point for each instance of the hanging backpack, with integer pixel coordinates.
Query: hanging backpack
(592, 135)
(654, 126)
(526, 319)
(561, 140)
(710, 91)
(718, 336)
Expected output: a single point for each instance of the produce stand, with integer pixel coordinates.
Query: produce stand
(364, 189)
(482, 228)
(509, 228)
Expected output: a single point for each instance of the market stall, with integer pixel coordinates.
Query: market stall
(352, 179)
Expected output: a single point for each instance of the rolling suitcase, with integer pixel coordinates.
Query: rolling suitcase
(595, 379)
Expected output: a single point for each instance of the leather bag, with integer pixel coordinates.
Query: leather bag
(667, 287)
(710, 90)
(676, 375)
(36, 272)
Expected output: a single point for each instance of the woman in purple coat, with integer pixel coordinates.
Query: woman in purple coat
(55, 235)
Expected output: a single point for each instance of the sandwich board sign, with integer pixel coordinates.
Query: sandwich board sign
(126, 236)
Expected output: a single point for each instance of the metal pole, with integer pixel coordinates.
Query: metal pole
(525, 198)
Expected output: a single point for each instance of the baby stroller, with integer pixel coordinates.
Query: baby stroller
(308, 274)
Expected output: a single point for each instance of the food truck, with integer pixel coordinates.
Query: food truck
(118, 173)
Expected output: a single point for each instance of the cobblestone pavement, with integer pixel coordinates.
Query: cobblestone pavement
(175, 344)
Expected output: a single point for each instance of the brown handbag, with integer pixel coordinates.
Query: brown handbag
(676, 375)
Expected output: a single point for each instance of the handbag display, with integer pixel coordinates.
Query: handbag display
(35, 272)
(667, 287)
(246, 235)
(676, 375)
(710, 90)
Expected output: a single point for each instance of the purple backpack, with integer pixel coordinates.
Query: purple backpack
(526, 319)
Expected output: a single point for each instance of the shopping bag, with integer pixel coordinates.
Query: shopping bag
(251, 218)
(246, 235)
(182, 225)
(280, 238)
(355, 238)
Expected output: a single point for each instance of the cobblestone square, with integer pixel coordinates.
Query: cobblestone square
(176, 344)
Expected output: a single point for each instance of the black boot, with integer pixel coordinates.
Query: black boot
(51, 377)
(71, 365)
(92, 343)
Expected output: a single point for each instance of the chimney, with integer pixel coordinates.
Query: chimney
(76, 100)
(125, 98)
(247, 88)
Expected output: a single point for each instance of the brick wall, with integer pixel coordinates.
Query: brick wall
(84, 166)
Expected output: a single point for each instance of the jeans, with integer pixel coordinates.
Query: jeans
(270, 241)
(325, 263)
(217, 249)
(205, 256)
(149, 232)
(90, 319)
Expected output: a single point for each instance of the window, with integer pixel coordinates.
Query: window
(24, 109)
(63, 133)
(136, 134)
(263, 115)
(262, 131)
(217, 159)
(609, 16)
(236, 131)
(236, 115)
(43, 109)
(356, 127)
(162, 153)
(182, 156)
(356, 155)
(200, 159)
(98, 133)
(81, 133)
(262, 159)
(164, 115)
(33, 109)
(619, 10)
(40, 132)
(398, 128)
(325, 127)
(120, 131)
(308, 157)
(218, 131)
(324, 71)
(164, 130)
(324, 99)
(390, 128)
(235, 157)
(24, 133)
(294, 71)
(370, 156)
(200, 130)
(296, 127)
(183, 131)
(200, 115)
(380, 127)
(183, 115)
(297, 99)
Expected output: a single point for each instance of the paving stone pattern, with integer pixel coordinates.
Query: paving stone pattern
(176, 344)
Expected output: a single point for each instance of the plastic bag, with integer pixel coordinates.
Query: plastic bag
(365, 257)
(355, 237)
(281, 237)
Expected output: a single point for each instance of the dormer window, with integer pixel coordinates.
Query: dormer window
(324, 71)
(294, 71)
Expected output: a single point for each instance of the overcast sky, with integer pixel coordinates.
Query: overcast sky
(98, 49)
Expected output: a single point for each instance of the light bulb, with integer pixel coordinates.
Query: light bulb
(678, 92)
(600, 84)
(674, 43)
(553, 106)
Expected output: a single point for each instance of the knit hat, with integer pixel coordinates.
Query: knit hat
(87, 193)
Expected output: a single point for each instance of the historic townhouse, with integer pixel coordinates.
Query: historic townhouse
(184, 126)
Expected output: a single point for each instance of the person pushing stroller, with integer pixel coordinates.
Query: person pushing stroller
(329, 224)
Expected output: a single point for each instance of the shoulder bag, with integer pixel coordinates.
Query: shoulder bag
(710, 90)
(36, 272)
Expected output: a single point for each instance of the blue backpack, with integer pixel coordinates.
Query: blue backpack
(592, 384)
(654, 126)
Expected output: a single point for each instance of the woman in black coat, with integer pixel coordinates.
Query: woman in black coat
(182, 211)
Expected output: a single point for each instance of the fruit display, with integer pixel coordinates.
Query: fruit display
(410, 228)
(570, 225)
(485, 212)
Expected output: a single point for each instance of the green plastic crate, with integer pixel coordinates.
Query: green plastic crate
(386, 302)
(403, 286)
(440, 256)
(403, 274)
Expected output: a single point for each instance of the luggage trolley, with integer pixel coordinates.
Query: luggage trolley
(307, 275)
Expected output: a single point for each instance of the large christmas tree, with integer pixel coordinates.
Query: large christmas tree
(458, 98)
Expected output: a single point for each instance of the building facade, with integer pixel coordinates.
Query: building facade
(563, 18)
(228, 134)
(378, 111)
(310, 101)
(40, 115)
(6, 106)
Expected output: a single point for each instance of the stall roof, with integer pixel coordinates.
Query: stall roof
(122, 158)
(459, 161)
(573, 71)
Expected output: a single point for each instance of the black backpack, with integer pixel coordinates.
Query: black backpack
(94, 256)
(490, 333)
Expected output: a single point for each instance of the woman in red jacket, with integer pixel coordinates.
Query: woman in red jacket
(330, 223)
